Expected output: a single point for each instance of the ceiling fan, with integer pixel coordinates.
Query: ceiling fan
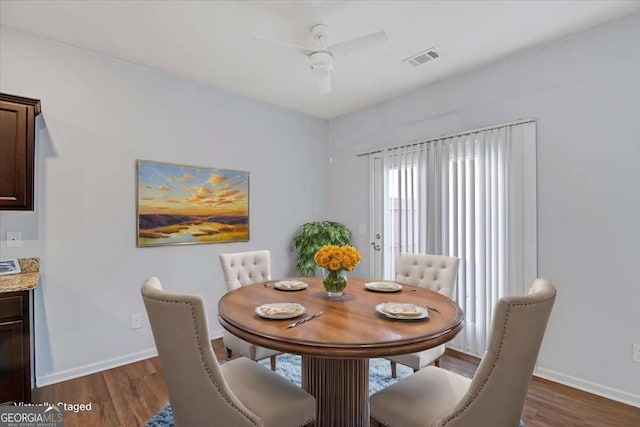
(321, 59)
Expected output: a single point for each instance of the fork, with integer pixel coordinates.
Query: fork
(304, 319)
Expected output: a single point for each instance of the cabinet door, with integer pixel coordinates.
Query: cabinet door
(16, 156)
(12, 363)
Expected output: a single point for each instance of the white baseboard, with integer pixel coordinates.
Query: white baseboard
(589, 387)
(580, 384)
(92, 368)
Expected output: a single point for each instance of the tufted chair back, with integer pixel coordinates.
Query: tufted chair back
(245, 268)
(495, 396)
(240, 269)
(435, 272)
(499, 387)
(197, 389)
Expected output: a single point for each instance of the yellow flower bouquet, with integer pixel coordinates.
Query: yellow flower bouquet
(336, 259)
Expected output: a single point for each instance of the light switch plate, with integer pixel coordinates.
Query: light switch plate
(14, 239)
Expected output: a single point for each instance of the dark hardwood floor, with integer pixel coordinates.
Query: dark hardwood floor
(131, 394)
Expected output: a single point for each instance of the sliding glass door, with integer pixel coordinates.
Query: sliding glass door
(471, 196)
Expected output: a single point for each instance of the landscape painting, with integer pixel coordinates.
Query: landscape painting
(182, 204)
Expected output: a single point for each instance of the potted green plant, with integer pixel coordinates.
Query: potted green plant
(314, 235)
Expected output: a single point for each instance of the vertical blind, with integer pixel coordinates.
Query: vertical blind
(471, 196)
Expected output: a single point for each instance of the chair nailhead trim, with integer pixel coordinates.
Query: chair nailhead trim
(204, 364)
(475, 395)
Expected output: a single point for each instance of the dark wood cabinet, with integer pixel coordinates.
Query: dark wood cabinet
(16, 350)
(17, 148)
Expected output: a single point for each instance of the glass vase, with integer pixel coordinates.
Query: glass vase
(334, 282)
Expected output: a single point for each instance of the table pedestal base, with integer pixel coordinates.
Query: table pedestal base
(341, 389)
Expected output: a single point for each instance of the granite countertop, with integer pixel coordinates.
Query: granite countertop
(24, 281)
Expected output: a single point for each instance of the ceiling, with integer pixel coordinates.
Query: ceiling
(211, 42)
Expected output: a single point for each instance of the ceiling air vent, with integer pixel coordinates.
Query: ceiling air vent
(422, 57)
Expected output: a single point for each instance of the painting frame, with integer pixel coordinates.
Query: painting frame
(9, 266)
(184, 204)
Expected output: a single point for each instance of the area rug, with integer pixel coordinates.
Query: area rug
(288, 365)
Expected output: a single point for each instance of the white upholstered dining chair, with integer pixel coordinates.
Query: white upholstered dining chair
(240, 269)
(202, 392)
(495, 396)
(437, 273)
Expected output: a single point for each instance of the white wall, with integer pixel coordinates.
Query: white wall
(585, 94)
(99, 116)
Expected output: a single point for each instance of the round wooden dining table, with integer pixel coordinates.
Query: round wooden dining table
(336, 346)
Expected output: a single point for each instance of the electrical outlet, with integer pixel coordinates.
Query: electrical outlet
(136, 321)
(636, 353)
(14, 239)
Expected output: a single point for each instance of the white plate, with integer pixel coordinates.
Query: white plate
(383, 286)
(290, 285)
(393, 310)
(280, 310)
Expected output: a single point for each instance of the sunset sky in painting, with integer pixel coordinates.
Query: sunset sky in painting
(190, 190)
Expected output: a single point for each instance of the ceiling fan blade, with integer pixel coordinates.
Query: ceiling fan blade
(358, 44)
(301, 49)
(324, 84)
